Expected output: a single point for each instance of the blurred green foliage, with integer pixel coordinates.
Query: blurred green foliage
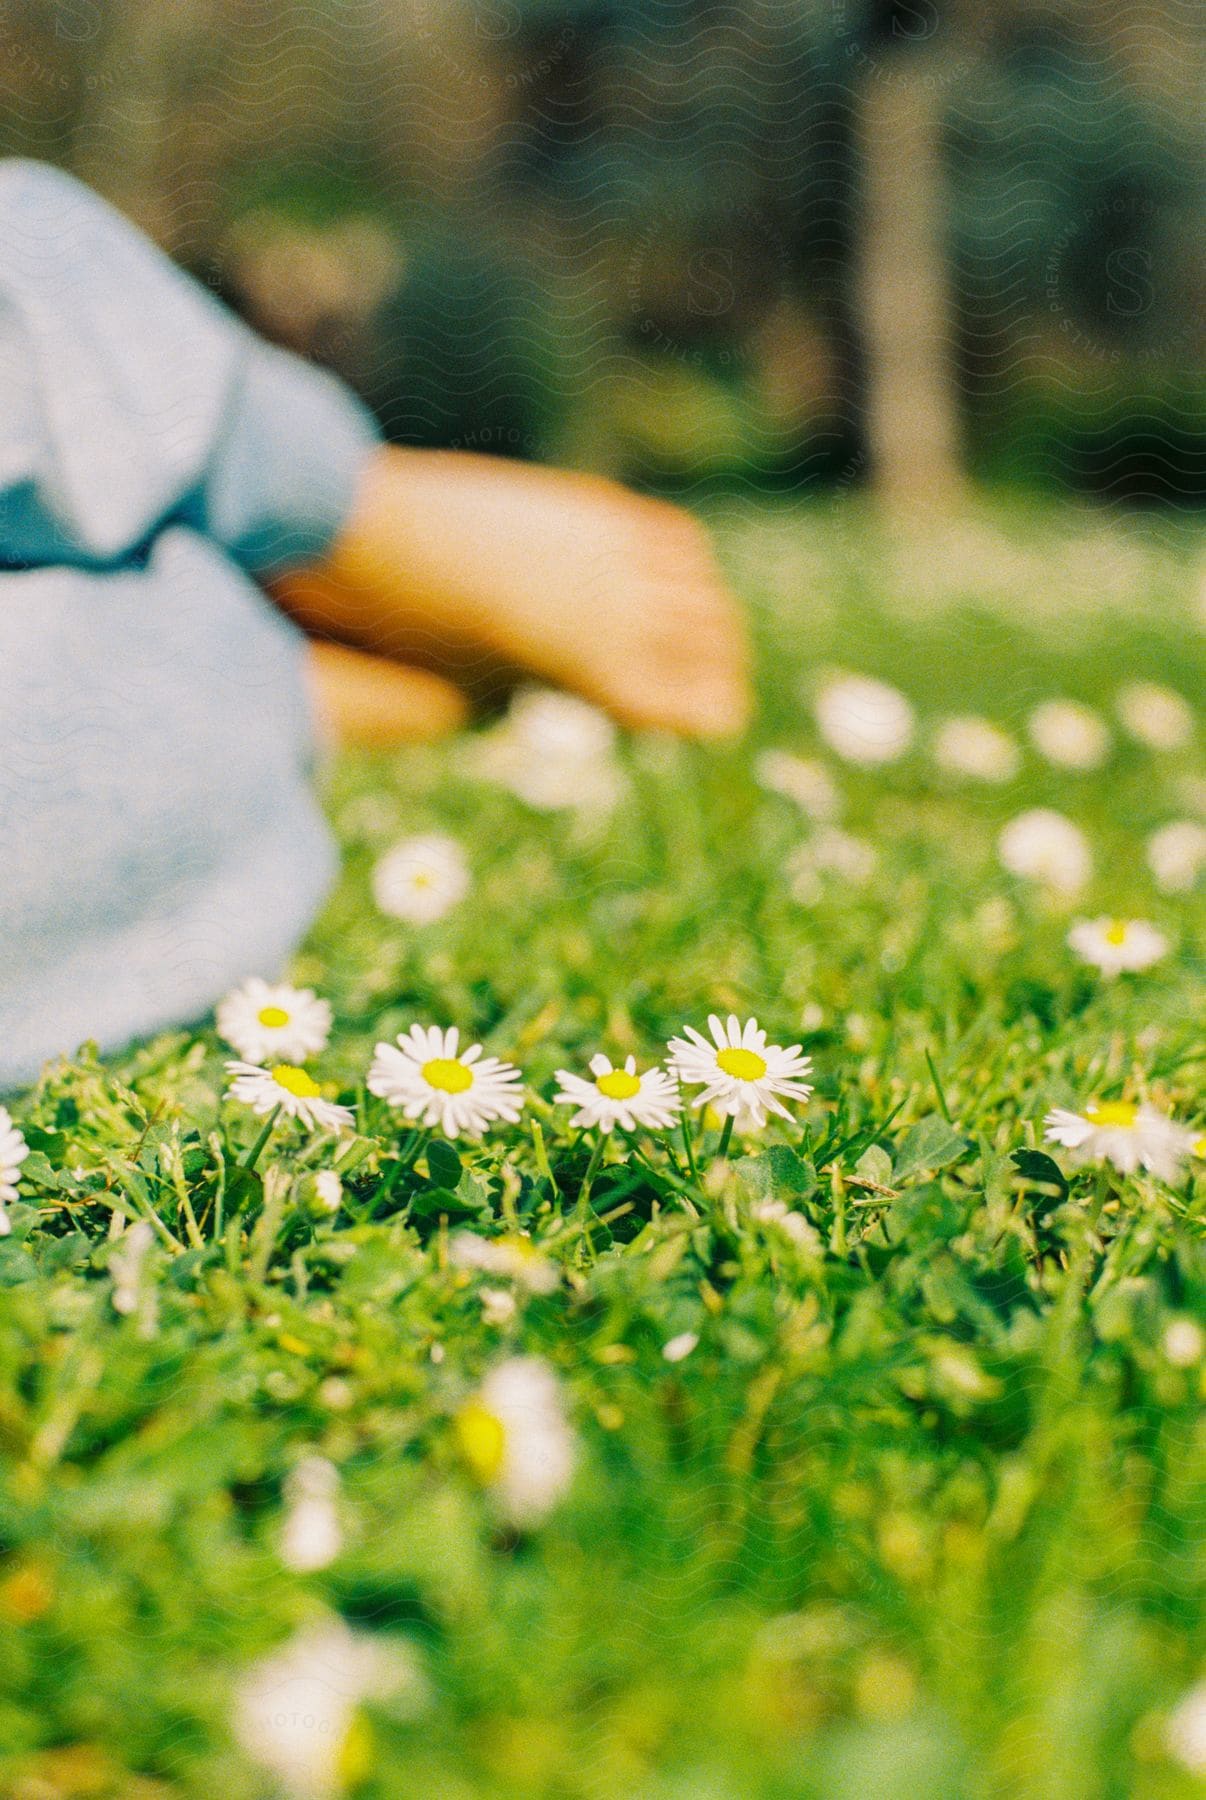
(630, 235)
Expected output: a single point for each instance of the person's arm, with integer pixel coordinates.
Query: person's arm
(483, 568)
(134, 401)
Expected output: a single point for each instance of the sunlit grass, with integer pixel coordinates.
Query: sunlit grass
(919, 1512)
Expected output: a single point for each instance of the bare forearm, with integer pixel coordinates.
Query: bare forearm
(480, 568)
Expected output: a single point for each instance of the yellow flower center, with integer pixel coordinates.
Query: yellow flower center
(618, 1085)
(743, 1065)
(1113, 1112)
(295, 1081)
(273, 1017)
(482, 1441)
(447, 1074)
(422, 878)
(1116, 932)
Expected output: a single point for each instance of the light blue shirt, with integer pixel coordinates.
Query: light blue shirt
(159, 839)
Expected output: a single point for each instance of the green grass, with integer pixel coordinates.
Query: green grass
(920, 1516)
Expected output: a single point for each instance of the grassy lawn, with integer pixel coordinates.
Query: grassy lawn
(912, 1509)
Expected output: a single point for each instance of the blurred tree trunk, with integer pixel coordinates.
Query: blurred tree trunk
(912, 408)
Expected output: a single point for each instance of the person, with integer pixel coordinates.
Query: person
(180, 502)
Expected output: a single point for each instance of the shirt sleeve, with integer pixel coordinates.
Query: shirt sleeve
(133, 399)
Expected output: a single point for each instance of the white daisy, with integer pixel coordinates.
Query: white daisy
(292, 1089)
(516, 1439)
(428, 1078)
(975, 747)
(680, 1347)
(793, 1224)
(802, 780)
(1042, 845)
(311, 1535)
(740, 1074)
(1185, 1730)
(295, 1708)
(499, 1307)
(1176, 855)
(126, 1265)
(864, 720)
(552, 751)
(274, 1023)
(13, 1151)
(320, 1193)
(1120, 1132)
(1117, 945)
(829, 852)
(1155, 715)
(1069, 734)
(1183, 1343)
(514, 1257)
(421, 879)
(620, 1096)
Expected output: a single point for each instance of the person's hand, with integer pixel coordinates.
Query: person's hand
(483, 570)
(364, 701)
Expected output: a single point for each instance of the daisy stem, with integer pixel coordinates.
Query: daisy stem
(726, 1134)
(673, 1182)
(542, 1158)
(408, 1155)
(946, 1111)
(592, 1166)
(263, 1238)
(1102, 1190)
(256, 1151)
(689, 1148)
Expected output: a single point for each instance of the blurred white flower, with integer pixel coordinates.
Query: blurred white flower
(311, 1536)
(1069, 734)
(803, 780)
(619, 1096)
(793, 1224)
(995, 923)
(514, 1257)
(336, 1393)
(977, 748)
(516, 1440)
(499, 1306)
(681, 1346)
(1116, 946)
(552, 751)
(1185, 1730)
(829, 852)
(292, 1089)
(294, 1709)
(268, 1022)
(1122, 1133)
(1176, 855)
(125, 1266)
(1184, 1343)
(1155, 715)
(13, 1151)
(864, 720)
(320, 1193)
(1042, 845)
(421, 879)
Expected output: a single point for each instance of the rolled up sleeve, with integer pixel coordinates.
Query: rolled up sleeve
(135, 400)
